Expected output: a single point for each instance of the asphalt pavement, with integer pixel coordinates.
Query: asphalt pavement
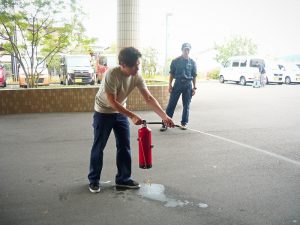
(238, 164)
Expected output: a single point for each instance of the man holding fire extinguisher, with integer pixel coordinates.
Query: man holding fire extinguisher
(111, 114)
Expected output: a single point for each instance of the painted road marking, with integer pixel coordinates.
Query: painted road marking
(280, 157)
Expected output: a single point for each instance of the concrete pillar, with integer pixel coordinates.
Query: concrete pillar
(128, 24)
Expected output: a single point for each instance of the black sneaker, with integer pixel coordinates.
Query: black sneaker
(94, 188)
(163, 127)
(128, 184)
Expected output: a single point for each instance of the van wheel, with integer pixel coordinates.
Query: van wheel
(287, 80)
(243, 81)
(221, 79)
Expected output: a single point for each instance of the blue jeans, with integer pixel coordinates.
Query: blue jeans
(184, 88)
(103, 124)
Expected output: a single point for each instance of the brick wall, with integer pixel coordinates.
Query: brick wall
(79, 99)
(136, 102)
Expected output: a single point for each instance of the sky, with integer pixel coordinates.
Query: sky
(272, 25)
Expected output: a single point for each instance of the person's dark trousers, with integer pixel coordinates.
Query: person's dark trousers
(184, 88)
(103, 124)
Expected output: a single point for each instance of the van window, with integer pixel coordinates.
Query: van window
(256, 62)
(281, 67)
(244, 63)
(227, 64)
(235, 64)
(75, 61)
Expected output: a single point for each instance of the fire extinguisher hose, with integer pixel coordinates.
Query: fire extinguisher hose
(154, 123)
(161, 123)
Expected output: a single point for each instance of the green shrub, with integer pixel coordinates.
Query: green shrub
(213, 74)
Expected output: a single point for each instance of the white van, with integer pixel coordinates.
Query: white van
(241, 69)
(76, 69)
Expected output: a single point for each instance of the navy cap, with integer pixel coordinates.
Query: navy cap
(186, 45)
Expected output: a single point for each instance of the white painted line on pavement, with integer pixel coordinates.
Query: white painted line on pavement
(280, 157)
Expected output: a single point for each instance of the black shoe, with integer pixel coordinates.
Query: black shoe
(94, 188)
(128, 184)
(163, 127)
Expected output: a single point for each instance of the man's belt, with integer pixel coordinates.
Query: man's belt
(184, 80)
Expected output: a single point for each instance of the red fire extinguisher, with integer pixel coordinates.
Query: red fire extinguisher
(145, 145)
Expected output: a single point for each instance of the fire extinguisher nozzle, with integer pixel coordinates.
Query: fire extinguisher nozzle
(145, 166)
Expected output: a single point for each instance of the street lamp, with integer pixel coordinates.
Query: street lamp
(166, 44)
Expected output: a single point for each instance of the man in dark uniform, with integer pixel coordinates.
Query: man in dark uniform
(184, 70)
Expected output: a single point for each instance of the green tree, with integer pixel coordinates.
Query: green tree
(149, 61)
(236, 45)
(35, 31)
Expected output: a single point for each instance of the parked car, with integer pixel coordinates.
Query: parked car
(42, 76)
(273, 73)
(241, 69)
(76, 69)
(291, 72)
(2, 76)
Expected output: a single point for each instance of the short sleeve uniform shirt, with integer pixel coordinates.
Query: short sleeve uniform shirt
(182, 68)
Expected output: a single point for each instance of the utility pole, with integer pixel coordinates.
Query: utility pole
(166, 44)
